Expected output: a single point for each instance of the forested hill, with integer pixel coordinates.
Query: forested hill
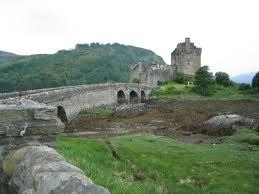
(5, 56)
(86, 64)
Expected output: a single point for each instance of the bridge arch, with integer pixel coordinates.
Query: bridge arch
(121, 97)
(62, 115)
(133, 97)
(143, 96)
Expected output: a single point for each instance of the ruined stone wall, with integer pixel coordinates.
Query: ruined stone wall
(152, 75)
(135, 71)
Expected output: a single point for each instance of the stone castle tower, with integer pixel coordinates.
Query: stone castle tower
(186, 58)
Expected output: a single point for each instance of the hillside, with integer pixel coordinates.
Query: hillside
(244, 78)
(6, 56)
(85, 64)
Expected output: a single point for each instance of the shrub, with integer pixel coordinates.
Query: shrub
(204, 81)
(160, 83)
(244, 86)
(179, 78)
(255, 81)
(183, 78)
(222, 79)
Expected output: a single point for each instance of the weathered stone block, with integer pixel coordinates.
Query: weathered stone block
(41, 170)
(228, 124)
(27, 165)
(26, 118)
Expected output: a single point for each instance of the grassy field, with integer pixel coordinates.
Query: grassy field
(167, 165)
(174, 90)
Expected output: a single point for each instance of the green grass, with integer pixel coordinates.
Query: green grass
(169, 166)
(174, 90)
(245, 136)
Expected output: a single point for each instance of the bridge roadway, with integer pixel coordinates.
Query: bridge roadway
(70, 100)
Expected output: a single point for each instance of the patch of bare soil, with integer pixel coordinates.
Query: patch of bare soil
(181, 120)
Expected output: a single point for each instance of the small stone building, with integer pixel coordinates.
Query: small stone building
(186, 59)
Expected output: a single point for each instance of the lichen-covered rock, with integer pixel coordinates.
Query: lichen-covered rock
(130, 109)
(227, 124)
(26, 118)
(41, 170)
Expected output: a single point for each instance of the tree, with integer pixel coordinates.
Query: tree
(204, 81)
(255, 81)
(179, 78)
(222, 79)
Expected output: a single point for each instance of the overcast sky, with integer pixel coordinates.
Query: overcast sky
(227, 30)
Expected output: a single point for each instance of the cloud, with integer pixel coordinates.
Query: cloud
(226, 30)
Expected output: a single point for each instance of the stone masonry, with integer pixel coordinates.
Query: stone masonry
(29, 163)
(72, 99)
(186, 59)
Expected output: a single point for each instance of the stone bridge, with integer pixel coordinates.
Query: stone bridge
(70, 100)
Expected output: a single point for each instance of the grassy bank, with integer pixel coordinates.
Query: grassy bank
(167, 165)
(181, 91)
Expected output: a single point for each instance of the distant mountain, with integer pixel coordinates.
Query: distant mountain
(244, 78)
(85, 64)
(6, 56)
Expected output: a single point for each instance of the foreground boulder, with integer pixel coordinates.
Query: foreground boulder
(227, 124)
(40, 170)
(28, 162)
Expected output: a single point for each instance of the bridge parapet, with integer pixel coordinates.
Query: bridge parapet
(73, 99)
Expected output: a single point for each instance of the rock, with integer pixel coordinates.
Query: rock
(26, 118)
(227, 124)
(12, 160)
(27, 164)
(41, 170)
(130, 109)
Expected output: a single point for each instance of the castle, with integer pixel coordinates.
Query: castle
(185, 59)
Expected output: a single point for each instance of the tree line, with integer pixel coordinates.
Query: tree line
(85, 64)
(205, 82)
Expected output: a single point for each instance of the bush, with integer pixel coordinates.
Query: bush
(179, 78)
(222, 79)
(183, 78)
(204, 81)
(255, 81)
(244, 86)
(160, 83)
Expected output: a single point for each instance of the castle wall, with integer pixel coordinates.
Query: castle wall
(186, 59)
(188, 63)
(152, 75)
(136, 71)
